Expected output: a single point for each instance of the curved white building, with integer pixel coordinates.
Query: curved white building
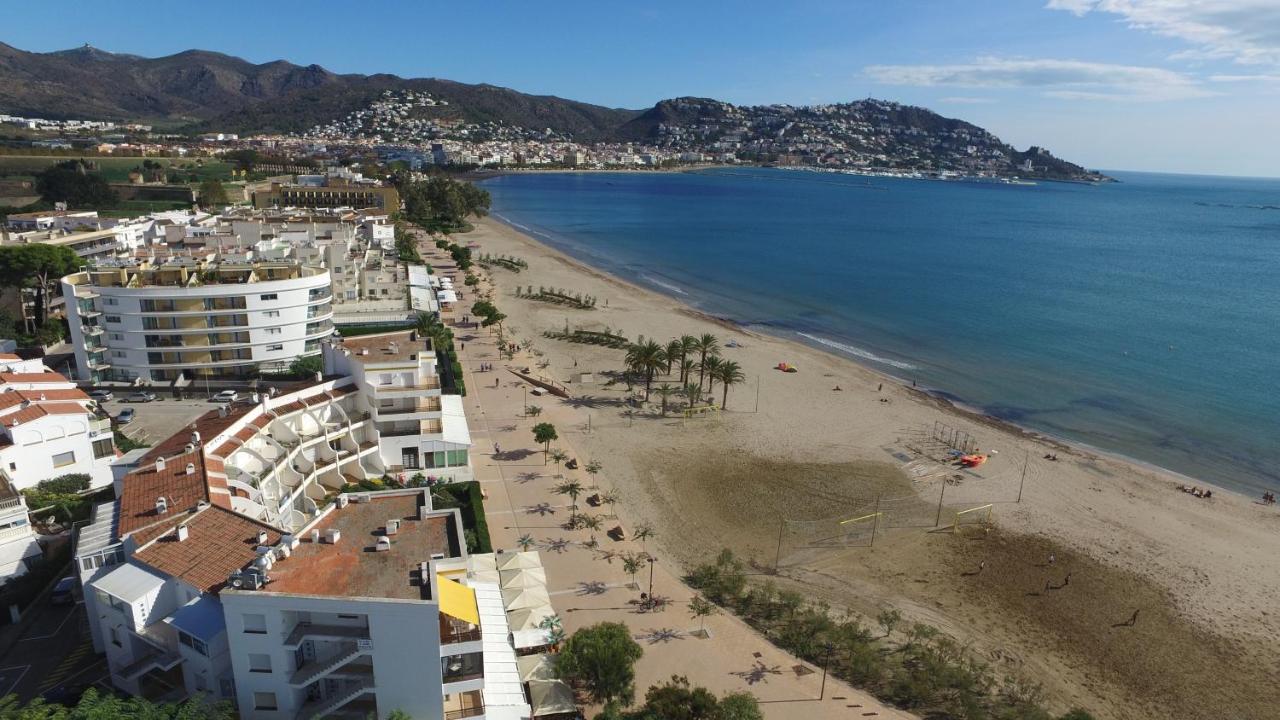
(218, 320)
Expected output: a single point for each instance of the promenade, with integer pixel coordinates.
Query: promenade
(588, 585)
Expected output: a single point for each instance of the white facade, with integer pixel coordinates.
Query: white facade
(226, 321)
(47, 428)
(18, 544)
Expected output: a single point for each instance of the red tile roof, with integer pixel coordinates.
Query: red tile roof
(219, 543)
(49, 377)
(137, 504)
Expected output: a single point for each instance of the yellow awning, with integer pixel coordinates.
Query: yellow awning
(457, 601)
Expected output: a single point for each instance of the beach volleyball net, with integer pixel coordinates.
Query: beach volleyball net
(852, 530)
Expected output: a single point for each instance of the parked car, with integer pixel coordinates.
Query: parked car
(101, 395)
(64, 593)
(225, 396)
(125, 417)
(140, 397)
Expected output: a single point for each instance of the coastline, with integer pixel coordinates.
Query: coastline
(937, 397)
(1211, 561)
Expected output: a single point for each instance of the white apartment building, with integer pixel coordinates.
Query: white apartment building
(18, 545)
(185, 318)
(47, 427)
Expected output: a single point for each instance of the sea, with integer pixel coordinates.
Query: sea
(1140, 317)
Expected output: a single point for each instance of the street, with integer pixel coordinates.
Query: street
(53, 657)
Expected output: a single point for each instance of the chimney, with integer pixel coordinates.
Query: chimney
(202, 505)
(383, 544)
(162, 505)
(191, 468)
(262, 537)
(222, 411)
(160, 464)
(195, 437)
(183, 532)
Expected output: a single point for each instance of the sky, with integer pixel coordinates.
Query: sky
(1190, 86)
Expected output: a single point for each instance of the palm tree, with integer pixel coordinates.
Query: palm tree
(525, 541)
(642, 533)
(573, 489)
(593, 469)
(646, 358)
(631, 565)
(705, 345)
(688, 344)
(729, 373)
(686, 369)
(665, 392)
(674, 348)
(711, 366)
(559, 455)
(692, 393)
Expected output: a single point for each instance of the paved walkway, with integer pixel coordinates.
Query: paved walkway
(589, 585)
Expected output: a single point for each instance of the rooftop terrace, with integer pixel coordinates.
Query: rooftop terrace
(354, 567)
(387, 347)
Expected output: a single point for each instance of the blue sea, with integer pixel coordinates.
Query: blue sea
(1140, 317)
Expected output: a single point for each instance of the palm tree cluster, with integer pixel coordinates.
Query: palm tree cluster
(684, 356)
(557, 295)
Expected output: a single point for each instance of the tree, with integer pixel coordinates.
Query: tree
(593, 468)
(306, 366)
(544, 433)
(672, 352)
(39, 267)
(559, 455)
(889, 620)
(739, 706)
(72, 183)
(525, 541)
(601, 659)
(573, 489)
(665, 392)
(676, 699)
(532, 411)
(631, 565)
(692, 393)
(705, 345)
(729, 373)
(94, 705)
(700, 608)
(212, 193)
(711, 366)
(646, 358)
(642, 533)
(688, 344)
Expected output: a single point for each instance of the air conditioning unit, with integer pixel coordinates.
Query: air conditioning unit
(392, 527)
(315, 536)
(332, 536)
(343, 500)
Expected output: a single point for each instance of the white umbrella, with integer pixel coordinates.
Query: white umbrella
(536, 667)
(526, 560)
(534, 577)
(551, 697)
(523, 598)
(529, 618)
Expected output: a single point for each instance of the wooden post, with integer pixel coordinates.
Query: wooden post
(875, 522)
(938, 519)
(1025, 459)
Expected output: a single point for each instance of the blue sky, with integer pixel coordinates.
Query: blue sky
(1164, 85)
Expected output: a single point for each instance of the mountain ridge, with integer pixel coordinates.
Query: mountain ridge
(201, 90)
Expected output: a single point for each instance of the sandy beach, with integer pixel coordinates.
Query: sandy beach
(791, 456)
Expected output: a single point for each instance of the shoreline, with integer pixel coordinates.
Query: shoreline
(808, 456)
(936, 397)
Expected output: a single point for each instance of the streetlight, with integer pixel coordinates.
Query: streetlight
(652, 561)
(826, 661)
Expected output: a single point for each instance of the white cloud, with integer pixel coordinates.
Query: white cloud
(1246, 31)
(1064, 79)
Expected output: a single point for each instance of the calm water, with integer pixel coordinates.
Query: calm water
(1141, 317)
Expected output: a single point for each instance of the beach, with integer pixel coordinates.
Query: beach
(766, 476)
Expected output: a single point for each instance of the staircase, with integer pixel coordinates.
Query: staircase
(317, 669)
(321, 708)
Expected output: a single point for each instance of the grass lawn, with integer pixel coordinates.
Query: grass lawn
(116, 169)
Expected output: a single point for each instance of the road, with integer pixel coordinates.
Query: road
(53, 657)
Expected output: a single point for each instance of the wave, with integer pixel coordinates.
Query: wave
(664, 285)
(859, 352)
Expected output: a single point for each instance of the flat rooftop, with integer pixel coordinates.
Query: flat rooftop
(396, 346)
(352, 567)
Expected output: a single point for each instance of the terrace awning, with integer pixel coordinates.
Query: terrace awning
(457, 601)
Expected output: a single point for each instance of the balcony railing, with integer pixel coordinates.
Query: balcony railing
(304, 630)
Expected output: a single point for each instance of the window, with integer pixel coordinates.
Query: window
(227, 686)
(111, 301)
(113, 601)
(259, 663)
(264, 701)
(64, 459)
(255, 624)
(268, 296)
(194, 643)
(115, 637)
(116, 336)
(112, 318)
(272, 313)
(348, 617)
(274, 348)
(273, 331)
(103, 448)
(119, 354)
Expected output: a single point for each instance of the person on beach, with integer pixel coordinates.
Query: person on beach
(1052, 558)
(497, 450)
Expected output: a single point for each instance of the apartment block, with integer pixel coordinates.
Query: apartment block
(183, 317)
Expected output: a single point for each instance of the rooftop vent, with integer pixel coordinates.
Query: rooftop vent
(343, 499)
(315, 536)
(189, 448)
(392, 527)
(262, 537)
(222, 411)
(160, 464)
(195, 437)
(383, 544)
(183, 532)
(191, 468)
(202, 505)
(162, 505)
(332, 536)
(283, 550)
(250, 579)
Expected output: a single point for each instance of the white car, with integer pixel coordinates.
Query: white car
(225, 396)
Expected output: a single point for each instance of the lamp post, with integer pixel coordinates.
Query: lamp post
(652, 561)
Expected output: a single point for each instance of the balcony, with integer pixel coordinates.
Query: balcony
(97, 426)
(317, 669)
(321, 708)
(453, 632)
(87, 292)
(91, 329)
(464, 705)
(432, 384)
(302, 631)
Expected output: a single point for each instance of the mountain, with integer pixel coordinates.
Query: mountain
(198, 90)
